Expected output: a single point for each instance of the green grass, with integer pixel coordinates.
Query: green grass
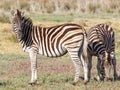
(53, 18)
(12, 56)
(71, 17)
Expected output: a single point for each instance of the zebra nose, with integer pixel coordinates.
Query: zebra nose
(20, 30)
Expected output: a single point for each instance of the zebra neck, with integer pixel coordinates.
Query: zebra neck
(26, 40)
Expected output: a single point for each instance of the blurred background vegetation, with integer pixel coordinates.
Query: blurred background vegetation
(63, 6)
(59, 7)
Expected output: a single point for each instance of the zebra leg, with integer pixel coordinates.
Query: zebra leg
(85, 67)
(101, 66)
(102, 70)
(98, 69)
(33, 61)
(89, 65)
(77, 63)
(114, 67)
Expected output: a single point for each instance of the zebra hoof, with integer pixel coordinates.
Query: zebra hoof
(33, 83)
(115, 77)
(106, 78)
(97, 78)
(86, 81)
(74, 83)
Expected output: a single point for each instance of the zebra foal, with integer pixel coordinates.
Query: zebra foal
(52, 41)
(101, 43)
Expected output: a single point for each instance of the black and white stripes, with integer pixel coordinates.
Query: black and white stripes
(52, 42)
(101, 43)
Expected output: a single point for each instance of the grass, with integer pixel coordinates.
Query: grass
(15, 75)
(53, 73)
(70, 17)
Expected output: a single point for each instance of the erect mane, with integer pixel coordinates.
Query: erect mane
(25, 20)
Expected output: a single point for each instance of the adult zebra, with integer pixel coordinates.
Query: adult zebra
(101, 43)
(52, 42)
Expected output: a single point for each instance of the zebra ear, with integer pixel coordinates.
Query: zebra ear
(12, 12)
(22, 13)
(18, 12)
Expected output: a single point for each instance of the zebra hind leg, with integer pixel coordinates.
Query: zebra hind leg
(77, 63)
(89, 65)
(85, 67)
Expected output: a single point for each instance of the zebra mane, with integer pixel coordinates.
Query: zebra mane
(26, 29)
(26, 20)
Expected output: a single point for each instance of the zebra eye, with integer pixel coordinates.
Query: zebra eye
(13, 22)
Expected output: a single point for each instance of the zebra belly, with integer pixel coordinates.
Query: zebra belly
(57, 52)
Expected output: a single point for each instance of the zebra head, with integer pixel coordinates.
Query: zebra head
(17, 21)
(108, 60)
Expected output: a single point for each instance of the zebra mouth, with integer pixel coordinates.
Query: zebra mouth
(19, 36)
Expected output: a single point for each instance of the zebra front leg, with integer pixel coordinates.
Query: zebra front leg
(33, 61)
(98, 70)
(100, 67)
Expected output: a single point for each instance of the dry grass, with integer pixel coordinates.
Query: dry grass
(63, 6)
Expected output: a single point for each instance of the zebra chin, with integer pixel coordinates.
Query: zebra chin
(19, 37)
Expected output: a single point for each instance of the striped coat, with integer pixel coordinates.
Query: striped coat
(101, 43)
(52, 41)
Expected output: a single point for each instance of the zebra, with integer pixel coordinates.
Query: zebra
(53, 41)
(101, 43)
